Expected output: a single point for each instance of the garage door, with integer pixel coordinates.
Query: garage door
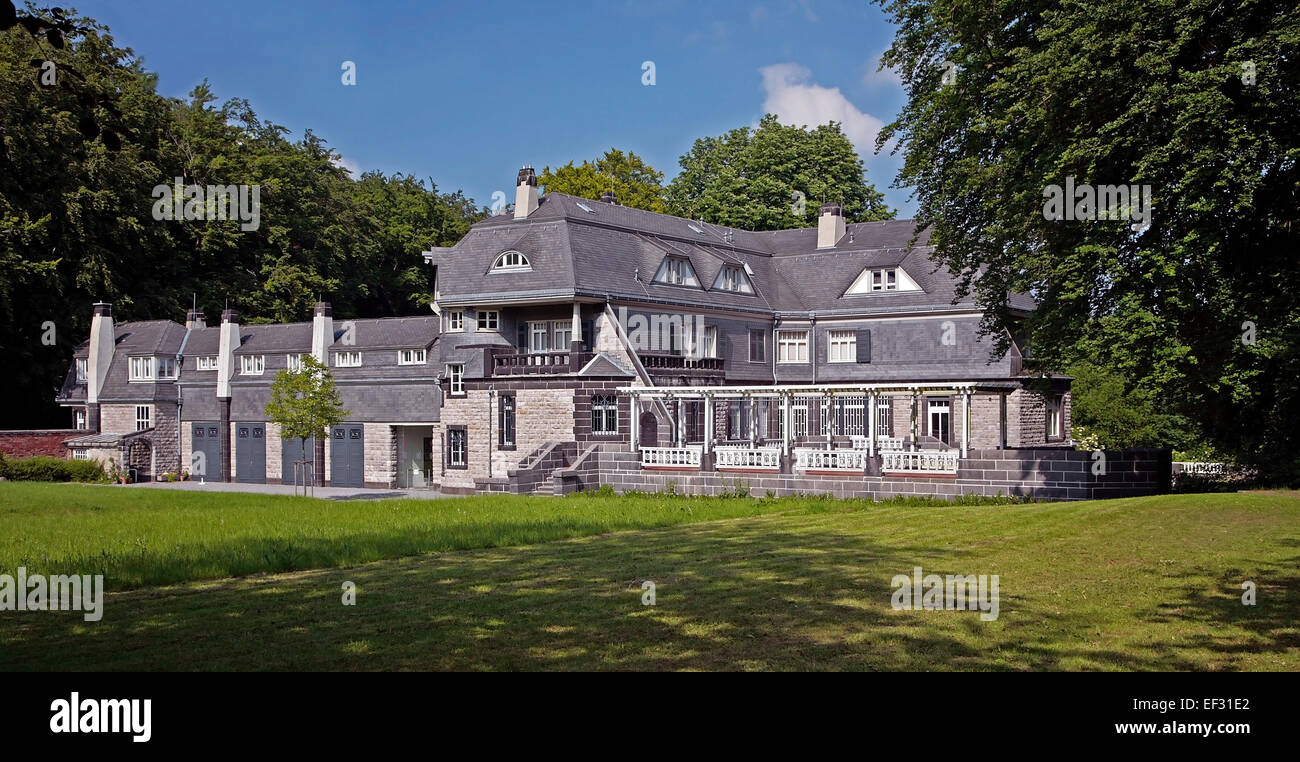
(347, 456)
(205, 462)
(250, 453)
(293, 450)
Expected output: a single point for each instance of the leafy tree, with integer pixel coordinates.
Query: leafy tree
(1198, 99)
(635, 183)
(305, 403)
(774, 177)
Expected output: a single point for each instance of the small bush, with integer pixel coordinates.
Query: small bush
(43, 468)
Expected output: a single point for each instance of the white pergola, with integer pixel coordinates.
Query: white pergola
(786, 394)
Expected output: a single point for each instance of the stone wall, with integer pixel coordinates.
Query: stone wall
(380, 455)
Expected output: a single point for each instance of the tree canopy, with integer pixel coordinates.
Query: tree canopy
(774, 177)
(633, 182)
(1196, 99)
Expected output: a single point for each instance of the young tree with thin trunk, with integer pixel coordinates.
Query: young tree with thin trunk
(305, 403)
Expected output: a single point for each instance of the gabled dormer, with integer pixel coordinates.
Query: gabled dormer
(882, 280)
(677, 271)
(733, 278)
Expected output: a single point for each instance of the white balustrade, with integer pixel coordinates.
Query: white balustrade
(747, 457)
(919, 462)
(812, 459)
(671, 457)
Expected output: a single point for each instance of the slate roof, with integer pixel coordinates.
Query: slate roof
(616, 251)
(132, 339)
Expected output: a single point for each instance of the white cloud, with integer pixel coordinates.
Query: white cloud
(350, 165)
(888, 76)
(791, 95)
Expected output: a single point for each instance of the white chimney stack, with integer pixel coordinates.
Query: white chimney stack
(322, 331)
(228, 343)
(830, 225)
(103, 339)
(525, 193)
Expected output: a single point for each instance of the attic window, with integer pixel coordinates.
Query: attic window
(882, 280)
(511, 261)
(677, 271)
(585, 208)
(697, 229)
(733, 278)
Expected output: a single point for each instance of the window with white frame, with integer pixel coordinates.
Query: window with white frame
(733, 278)
(884, 280)
(677, 271)
(792, 346)
(561, 335)
(206, 363)
(80, 454)
(884, 417)
(539, 336)
(842, 346)
(489, 320)
(80, 418)
(347, 359)
(252, 365)
(411, 357)
(293, 363)
(143, 417)
(604, 414)
(1055, 416)
(141, 368)
(457, 447)
(455, 321)
(709, 341)
(456, 378)
(81, 370)
(511, 261)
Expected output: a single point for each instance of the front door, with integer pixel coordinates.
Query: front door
(347, 456)
(941, 420)
(250, 453)
(205, 453)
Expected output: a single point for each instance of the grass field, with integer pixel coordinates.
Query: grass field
(1146, 583)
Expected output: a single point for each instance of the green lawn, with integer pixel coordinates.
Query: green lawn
(1148, 583)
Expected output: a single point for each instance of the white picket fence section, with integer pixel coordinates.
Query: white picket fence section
(671, 457)
(812, 459)
(919, 462)
(748, 457)
(883, 444)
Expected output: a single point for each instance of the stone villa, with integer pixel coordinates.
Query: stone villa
(574, 343)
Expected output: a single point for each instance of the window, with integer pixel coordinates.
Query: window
(738, 419)
(293, 363)
(80, 454)
(165, 367)
(252, 365)
(550, 335)
(457, 447)
(206, 363)
(79, 417)
(539, 339)
(81, 370)
(884, 417)
(709, 342)
(561, 335)
(677, 271)
(141, 368)
(882, 280)
(940, 419)
(792, 346)
(1056, 417)
(733, 278)
(455, 321)
(511, 261)
(842, 346)
(143, 417)
(489, 320)
(757, 345)
(604, 414)
(456, 378)
(347, 359)
(506, 422)
(411, 357)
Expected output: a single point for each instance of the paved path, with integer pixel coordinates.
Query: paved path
(328, 493)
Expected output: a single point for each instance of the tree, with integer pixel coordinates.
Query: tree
(1198, 101)
(305, 403)
(635, 183)
(774, 177)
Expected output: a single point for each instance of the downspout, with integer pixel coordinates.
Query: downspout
(812, 343)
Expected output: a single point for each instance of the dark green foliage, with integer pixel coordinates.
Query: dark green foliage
(43, 468)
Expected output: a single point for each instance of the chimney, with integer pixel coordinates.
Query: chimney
(103, 339)
(194, 320)
(830, 225)
(525, 193)
(322, 331)
(228, 343)
(608, 197)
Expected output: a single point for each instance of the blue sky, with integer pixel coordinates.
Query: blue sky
(467, 93)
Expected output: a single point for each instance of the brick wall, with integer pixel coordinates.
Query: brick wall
(24, 444)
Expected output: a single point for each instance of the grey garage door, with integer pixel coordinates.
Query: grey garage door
(205, 462)
(293, 450)
(347, 456)
(250, 453)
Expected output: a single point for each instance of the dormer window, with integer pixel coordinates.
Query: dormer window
(511, 261)
(882, 280)
(206, 363)
(252, 365)
(141, 368)
(677, 271)
(347, 359)
(81, 370)
(411, 357)
(733, 278)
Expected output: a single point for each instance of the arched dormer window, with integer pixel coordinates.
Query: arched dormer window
(511, 262)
